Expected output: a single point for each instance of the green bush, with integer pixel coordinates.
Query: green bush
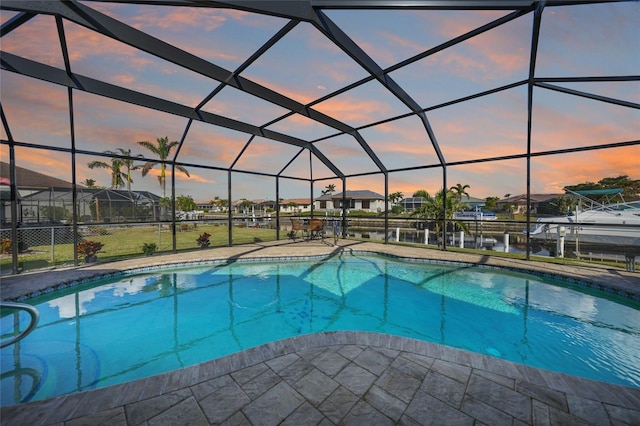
(5, 246)
(149, 248)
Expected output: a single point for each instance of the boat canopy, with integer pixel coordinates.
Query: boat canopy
(608, 191)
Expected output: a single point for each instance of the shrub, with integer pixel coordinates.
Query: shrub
(203, 240)
(89, 248)
(149, 248)
(5, 246)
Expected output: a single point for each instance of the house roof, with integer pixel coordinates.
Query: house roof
(359, 194)
(472, 200)
(28, 179)
(298, 201)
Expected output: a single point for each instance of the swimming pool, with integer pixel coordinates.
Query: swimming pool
(132, 326)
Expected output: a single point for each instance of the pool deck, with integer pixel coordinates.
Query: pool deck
(348, 378)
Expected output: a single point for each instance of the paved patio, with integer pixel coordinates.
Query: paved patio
(340, 377)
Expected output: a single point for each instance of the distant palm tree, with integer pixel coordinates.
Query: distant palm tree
(162, 149)
(460, 190)
(329, 189)
(89, 183)
(117, 176)
(128, 163)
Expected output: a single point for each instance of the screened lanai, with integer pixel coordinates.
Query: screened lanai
(276, 100)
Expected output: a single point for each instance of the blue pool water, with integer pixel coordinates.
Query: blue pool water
(129, 327)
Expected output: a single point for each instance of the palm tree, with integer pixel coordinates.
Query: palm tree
(128, 163)
(90, 183)
(432, 209)
(329, 189)
(460, 190)
(162, 149)
(117, 176)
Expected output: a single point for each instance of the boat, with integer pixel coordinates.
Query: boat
(474, 215)
(612, 223)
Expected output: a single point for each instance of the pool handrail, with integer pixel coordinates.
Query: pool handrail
(31, 310)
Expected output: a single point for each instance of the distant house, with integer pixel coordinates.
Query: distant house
(412, 203)
(364, 200)
(28, 183)
(205, 205)
(518, 203)
(295, 205)
(45, 198)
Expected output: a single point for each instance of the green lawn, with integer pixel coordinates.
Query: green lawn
(123, 242)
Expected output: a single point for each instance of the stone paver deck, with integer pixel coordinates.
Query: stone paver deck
(348, 378)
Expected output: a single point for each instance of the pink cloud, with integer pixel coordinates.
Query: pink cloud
(382, 56)
(551, 174)
(35, 108)
(37, 40)
(460, 23)
(189, 28)
(503, 51)
(45, 161)
(84, 43)
(123, 79)
(349, 109)
(580, 124)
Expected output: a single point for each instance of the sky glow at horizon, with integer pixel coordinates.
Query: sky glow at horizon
(576, 41)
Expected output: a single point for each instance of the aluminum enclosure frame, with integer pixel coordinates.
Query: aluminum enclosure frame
(295, 11)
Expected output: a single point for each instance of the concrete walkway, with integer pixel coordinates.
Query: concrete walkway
(339, 377)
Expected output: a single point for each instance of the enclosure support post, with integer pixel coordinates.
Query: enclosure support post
(229, 211)
(53, 239)
(386, 207)
(277, 208)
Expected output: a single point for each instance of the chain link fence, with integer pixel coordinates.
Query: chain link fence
(42, 247)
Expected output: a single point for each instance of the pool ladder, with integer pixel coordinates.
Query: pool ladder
(32, 311)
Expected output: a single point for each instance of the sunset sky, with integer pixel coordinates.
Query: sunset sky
(577, 41)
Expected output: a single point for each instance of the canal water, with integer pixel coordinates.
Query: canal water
(490, 242)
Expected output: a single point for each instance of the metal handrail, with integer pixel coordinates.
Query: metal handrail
(31, 310)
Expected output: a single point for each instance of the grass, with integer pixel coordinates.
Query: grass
(126, 242)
